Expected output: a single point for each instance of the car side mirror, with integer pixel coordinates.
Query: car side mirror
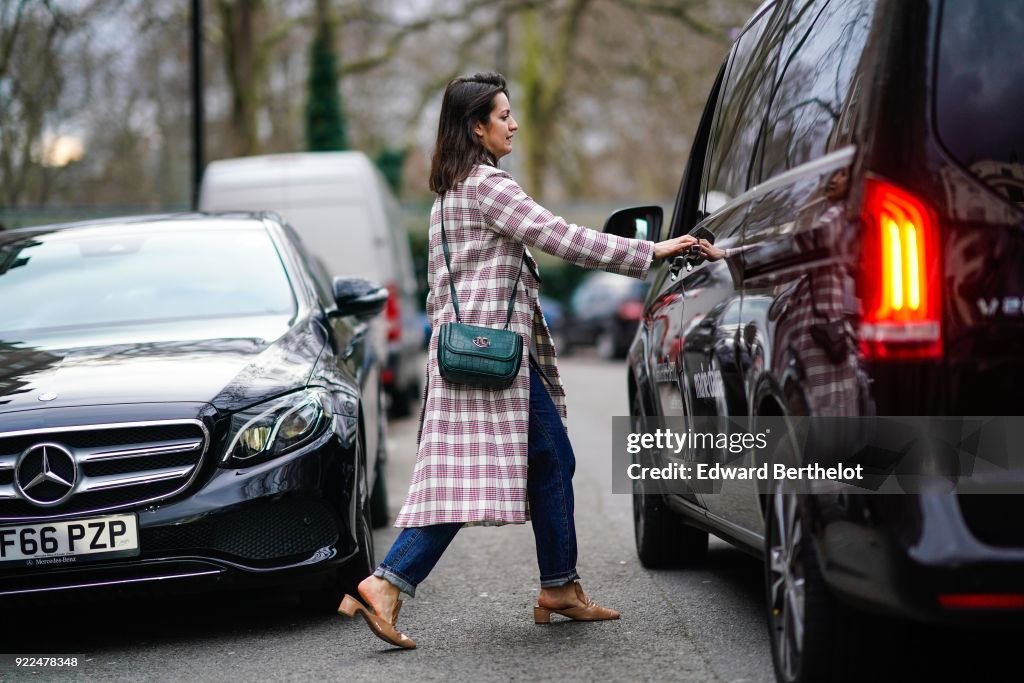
(638, 222)
(358, 297)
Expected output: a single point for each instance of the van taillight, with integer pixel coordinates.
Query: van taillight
(393, 313)
(900, 283)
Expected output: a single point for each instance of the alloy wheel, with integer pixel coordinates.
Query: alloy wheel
(786, 582)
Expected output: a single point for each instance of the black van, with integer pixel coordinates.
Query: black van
(859, 170)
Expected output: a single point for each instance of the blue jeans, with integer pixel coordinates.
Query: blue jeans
(550, 466)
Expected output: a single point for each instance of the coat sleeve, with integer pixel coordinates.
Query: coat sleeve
(513, 214)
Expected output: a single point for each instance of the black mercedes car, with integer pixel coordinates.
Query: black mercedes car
(184, 397)
(858, 169)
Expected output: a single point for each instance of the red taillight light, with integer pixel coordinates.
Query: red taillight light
(393, 314)
(900, 285)
(982, 600)
(631, 310)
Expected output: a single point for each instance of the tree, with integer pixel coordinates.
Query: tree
(390, 161)
(31, 78)
(248, 36)
(325, 119)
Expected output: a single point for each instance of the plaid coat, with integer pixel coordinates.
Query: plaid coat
(472, 443)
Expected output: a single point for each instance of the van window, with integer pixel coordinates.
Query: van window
(688, 199)
(824, 41)
(744, 101)
(978, 91)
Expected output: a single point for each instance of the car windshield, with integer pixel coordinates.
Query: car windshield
(107, 276)
(979, 94)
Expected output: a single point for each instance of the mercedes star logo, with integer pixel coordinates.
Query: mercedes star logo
(46, 474)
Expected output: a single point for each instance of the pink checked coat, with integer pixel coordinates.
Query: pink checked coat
(471, 458)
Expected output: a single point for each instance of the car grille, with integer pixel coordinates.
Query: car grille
(119, 466)
(268, 531)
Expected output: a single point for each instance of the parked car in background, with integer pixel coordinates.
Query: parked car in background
(184, 399)
(858, 163)
(347, 215)
(604, 311)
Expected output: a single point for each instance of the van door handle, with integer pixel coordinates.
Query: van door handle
(677, 264)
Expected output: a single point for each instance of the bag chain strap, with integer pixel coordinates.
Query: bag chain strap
(451, 277)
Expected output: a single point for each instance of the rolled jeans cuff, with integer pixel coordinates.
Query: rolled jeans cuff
(559, 579)
(395, 580)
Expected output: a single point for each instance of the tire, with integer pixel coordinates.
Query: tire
(360, 566)
(379, 494)
(813, 636)
(363, 564)
(379, 500)
(401, 401)
(663, 540)
(346, 578)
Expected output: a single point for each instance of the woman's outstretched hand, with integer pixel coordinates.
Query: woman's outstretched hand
(710, 251)
(673, 247)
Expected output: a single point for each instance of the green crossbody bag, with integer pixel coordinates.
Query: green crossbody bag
(473, 355)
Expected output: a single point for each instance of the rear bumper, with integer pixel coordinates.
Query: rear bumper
(914, 556)
(246, 526)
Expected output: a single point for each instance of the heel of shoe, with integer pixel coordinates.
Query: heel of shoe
(349, 606)
(541, 615)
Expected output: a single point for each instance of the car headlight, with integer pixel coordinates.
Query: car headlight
(276, 427)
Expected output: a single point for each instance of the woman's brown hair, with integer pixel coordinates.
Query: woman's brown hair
(466, 101)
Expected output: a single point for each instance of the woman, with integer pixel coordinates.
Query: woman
(485, 456)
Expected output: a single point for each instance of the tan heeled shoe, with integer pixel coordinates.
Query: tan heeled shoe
(382, 629)
(588, 610)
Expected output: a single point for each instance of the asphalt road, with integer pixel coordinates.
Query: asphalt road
(472, 618)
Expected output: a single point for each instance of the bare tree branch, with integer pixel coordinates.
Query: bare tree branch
(396, 40)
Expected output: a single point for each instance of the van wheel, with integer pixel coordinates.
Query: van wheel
(662, 539)
(814, 637)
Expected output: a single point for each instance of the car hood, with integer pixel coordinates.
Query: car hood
(135, 366)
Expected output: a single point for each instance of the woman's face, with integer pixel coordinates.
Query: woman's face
(837, 185)
(496, 135)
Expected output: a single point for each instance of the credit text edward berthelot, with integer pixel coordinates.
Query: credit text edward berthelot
(735, 443)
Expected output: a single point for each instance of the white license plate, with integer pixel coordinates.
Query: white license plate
(53, 544)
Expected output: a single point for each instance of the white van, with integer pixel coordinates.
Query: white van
(346, 215)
